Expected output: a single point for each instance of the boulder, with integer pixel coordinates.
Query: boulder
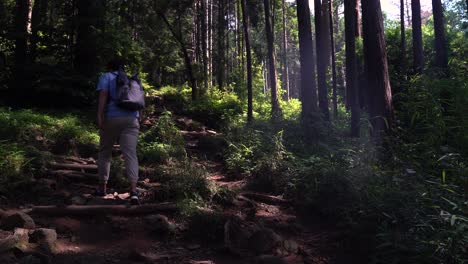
(270, 259)
(18, 219)
(46, 239)
(264, 240)
(7, 241)
(160, 224)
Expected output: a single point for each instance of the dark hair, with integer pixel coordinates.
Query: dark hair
(115, 64)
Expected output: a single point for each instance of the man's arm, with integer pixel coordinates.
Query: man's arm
(103, 94)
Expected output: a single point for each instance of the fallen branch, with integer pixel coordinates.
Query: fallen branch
(268, 199)
(83, 210)
(72, 166)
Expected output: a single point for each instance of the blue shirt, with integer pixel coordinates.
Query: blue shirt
(107, 82)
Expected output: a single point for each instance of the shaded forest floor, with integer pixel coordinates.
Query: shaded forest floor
(237, 226)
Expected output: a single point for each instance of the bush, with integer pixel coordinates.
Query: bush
(162, 142)
(15, 168)
(185, 181)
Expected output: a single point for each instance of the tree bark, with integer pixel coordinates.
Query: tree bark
(357, 12)
(89, 20)
(418, 52)
(186, 56)
(275, 106)
(402, 39)
(285, 54)
(380, 93)
(204, 17)
(333, 59)
(441, 59)
(308, 83)
(221, 50)
(21, 44)
(37, 19)
(246, 22)
(351, 66)
(323, 55)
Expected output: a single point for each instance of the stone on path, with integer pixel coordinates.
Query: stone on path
(18, 219)
(160, 224)
(46, 238)
(11, 240)
(270, 259)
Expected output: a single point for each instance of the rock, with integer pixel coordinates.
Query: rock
(18, 219)
(66, 225)
(46, 238)
(291, 246)
(7, 241)
(22, 237)
(264, 240)
(270, 259)
(160, 224)
(2, 214)
(78, 200)
(30, 259)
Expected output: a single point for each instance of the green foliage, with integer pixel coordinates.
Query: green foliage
(15, 169)
(185, 181)
(27, 126)
(259, 156)
(217, 109)
(162, 142)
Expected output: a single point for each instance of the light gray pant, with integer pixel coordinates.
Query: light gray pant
(125, 129)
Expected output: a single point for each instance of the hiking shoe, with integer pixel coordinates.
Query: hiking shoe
(134, 199)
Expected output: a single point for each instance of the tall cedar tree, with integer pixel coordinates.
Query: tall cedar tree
(323, 56)
(204, 40)
(351, 65)
(21, 44)
(439, 32)
(402, 39)
(37, 20)
(184, 49)
(380, 93)
(308, 84)
(275, 106)
(246, 24)
(285, 54)
(418, 52)
(221, 42)
(333, 58)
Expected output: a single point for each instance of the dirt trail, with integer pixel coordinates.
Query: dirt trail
(256, 228)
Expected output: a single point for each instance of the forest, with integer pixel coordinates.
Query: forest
(274, 131)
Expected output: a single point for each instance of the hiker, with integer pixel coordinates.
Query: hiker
(116, 123)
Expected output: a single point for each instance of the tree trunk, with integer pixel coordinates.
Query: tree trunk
(204, 17)
(418, 52)
(221, 51)
(358, 30)
(246, 22)
(275, 106)
(37, 19)
(439, 32)
(380, 93)
(21, 45)
(185, 53)
(323, 55)
(402, 39)
(86, 60)
(308, 84)
(333, 59)
(351, 66)
(285, 54)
